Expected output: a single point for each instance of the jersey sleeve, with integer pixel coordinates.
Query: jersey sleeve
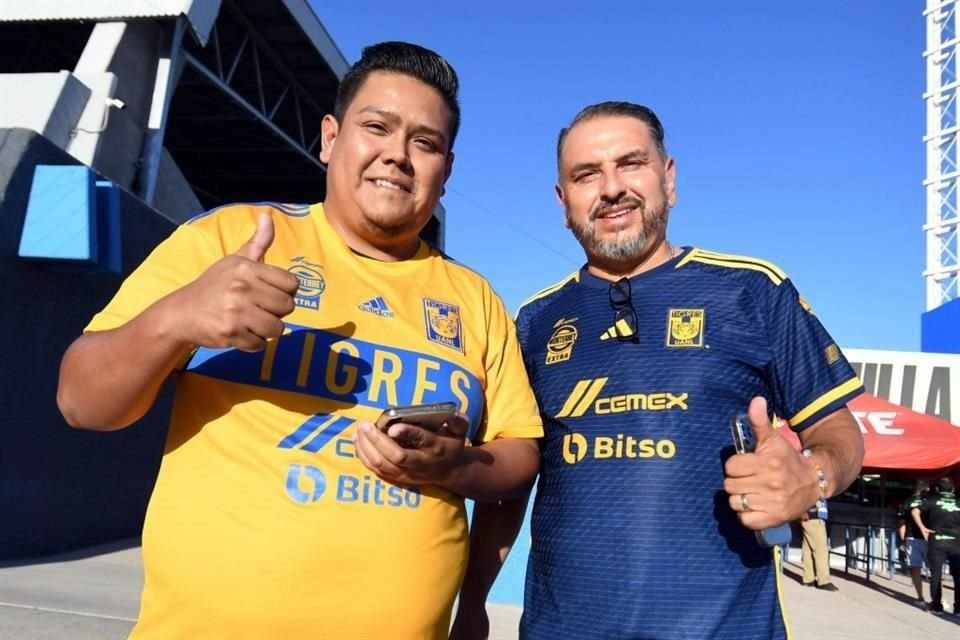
(511, 408)
(811, 377)
(176, 262)
(523, 336)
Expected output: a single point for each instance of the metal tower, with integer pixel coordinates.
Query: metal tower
(943, 161)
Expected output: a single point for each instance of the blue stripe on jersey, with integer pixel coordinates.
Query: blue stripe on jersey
(292, 210)
(346, 370)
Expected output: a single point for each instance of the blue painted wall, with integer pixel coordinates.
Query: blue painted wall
(940, 329)
(61, 488)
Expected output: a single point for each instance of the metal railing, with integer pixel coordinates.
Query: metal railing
(871, 549)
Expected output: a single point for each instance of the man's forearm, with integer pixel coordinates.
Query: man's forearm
(493, 531)
(837, 446)
(499, 469)
(109, 379)
(915, 514)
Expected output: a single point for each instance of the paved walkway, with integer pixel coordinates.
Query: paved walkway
(93, 594)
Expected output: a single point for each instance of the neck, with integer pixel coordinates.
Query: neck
(659, 254)
(370, 241)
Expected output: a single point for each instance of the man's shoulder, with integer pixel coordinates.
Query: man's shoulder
(469, 283)
(744, 270)
(538, 301)
(240, 212)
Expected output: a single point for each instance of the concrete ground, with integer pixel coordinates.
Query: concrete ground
(93, 594)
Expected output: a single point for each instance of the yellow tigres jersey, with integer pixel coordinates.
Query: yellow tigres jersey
(263, 523)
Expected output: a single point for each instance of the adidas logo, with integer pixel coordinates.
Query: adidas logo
(622, 326)
(377, 306)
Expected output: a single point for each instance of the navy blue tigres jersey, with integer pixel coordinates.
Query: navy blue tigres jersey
(632, 533)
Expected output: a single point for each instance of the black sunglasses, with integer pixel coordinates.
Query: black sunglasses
(624, 313)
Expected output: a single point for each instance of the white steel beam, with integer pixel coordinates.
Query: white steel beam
(942, 271)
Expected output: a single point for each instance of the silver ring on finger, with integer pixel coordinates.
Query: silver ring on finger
(744, 503)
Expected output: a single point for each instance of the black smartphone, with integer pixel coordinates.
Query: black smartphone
(745, 442)
(427, 416)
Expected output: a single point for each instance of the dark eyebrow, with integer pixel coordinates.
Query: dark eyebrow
(583, 166)
(640, 155)
(386, 114)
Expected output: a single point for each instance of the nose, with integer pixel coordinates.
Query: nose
(612, 189)
(395, 153)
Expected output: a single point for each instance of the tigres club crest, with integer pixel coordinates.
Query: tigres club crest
(560, 344)
(685, 328)
(443, 323)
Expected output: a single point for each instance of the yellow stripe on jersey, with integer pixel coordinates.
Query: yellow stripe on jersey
(825, 399)
(575, 276)
(583, 395)
(589, 397)
(574, 396)
(623, 328)
(750, 259)
(687, 258)
(777, 564)
(753, 266)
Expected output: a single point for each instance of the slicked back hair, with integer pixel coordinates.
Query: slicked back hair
(620, 109)
(407, 59)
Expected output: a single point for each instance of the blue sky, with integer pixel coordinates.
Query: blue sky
(796, 127)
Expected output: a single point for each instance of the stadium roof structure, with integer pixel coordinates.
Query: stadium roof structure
(271, 64)
(236, 98)
(200, 14)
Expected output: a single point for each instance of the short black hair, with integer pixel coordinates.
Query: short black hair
(410, 60)
(614, 108)
(945, 485)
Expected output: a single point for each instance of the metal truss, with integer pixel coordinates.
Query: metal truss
(942, 271)
(241, 63)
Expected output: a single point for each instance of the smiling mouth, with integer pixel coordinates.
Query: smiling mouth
(619, 212)
(393, 186)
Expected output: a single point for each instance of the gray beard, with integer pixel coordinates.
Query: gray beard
(623, 247)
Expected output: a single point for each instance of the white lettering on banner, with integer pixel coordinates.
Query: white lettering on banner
(881, 422)
(927, 383)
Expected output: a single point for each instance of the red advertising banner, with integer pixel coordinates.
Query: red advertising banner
(896, 438)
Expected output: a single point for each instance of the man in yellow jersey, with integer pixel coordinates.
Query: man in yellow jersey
(288, 328)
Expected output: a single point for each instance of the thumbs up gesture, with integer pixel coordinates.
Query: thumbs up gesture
(238, 301)
(772, 485)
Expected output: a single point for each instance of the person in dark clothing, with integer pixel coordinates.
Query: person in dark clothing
(915, 542)
(942, 513)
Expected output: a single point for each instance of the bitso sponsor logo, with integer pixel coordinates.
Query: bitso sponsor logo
(576, 447)
(307, 484)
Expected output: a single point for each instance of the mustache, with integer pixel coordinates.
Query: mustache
(603, 207)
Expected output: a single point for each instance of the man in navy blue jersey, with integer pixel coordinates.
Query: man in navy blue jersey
(643, 521)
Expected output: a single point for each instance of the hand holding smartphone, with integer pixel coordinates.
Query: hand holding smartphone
(426, 416)
(744, 441)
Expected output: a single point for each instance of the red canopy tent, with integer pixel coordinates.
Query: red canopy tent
(899, 439)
